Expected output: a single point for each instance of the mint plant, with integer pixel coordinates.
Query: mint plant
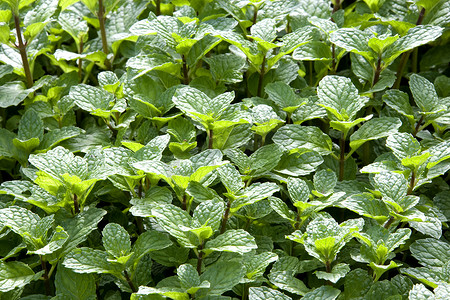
(263, 149)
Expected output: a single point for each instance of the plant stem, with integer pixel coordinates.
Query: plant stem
(185, 71)
(158, 7)
(245, 291)
(200, 258)
(414, 66)
(261, 76)
(255, 14)
(184, 203)
(297, 219)
(101, 20)
(46, 278)
(247, 224)
(405, 56)
(389, 222)
(328, 266)
(336, 7)
(23, 52)
(342, 157)
(376, 77)
(416, 129)
(75, 204)
(412, 183)
(80, 62)
(226, 215)
(130, 283)
(210, 139)
(333, 59)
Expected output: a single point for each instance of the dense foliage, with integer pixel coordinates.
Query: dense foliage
(224, 149)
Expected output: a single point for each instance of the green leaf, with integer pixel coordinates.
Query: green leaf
(403, 145)
(380, 44)
(324, 292)
(147, 242)
(297, 164)
(71, 21)
(238, 241)
(256, 264)
(71, 285)
(80, 226)
(324, 237)
(391, 185)
(431, 252)
(416, 36)
(230, 177)
(170, 217)
(263, 292)
(116, 240)
(324, 181)
(280, 207)
(16, 274)
(293, 137)
(264, 160)
(226, 67)
(285, 280)
(264, 30)
(339, 271)
(31, 126)
(223, 276)
(356, 284)
(438, 153)
(254, 193)
(199, 106)
(91, 99)
(87, 260)
(283, 96)
(424, 94)
(368, 206)
(209, 213)
(374, 129)
(189, 279)
(353, 40)
(26, 224)
(340, 98)
(313, 51)
(298, 190)
(419, 291)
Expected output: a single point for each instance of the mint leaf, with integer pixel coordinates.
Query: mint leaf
(263, 292)
(339, 271)
(294, 137)
(323, 292)
(74, 285)
(431, 252)
(424, 94)
(116, 240)
(222, 276)
(403, 145)
(324, 182)
(374, 129)
(230, 177)
(391, 185)
(238, 241)
(208, 213)
(283, 96)
(285, 280)
(417, 36)
(340, 98)
(87, 260)
(15, 274)
(353, 40)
